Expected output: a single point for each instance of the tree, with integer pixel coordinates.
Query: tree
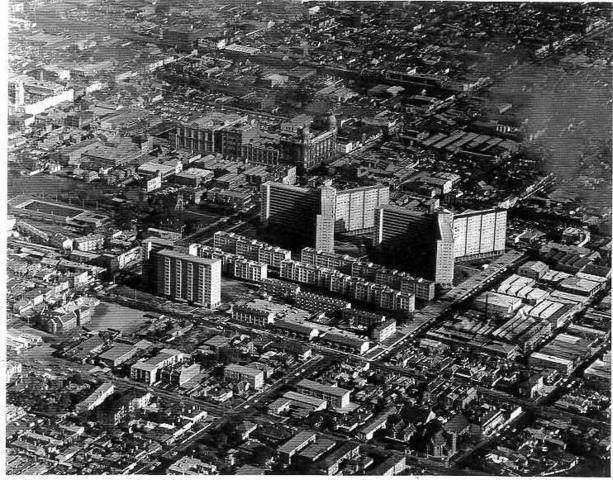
(77, 379)
(262, 454)
(64, 402)
(203, 452)
(221, 438)
(125, 215)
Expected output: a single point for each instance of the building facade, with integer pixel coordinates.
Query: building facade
(250, 270)
(307, 149)
(320, 303)
(148, 371)
(355, 207)
(422, 240)
(250, 249)
(287, 205)
(337, 397)
(187, 277)
(443, 270)
(252, 315)
(344, 284)
(252, 376)
(350, 210)
(324, 221)
(206, 134)
(479, 234)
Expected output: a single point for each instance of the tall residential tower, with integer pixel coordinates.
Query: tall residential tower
(421, 242)
(187, 277)
(430, 242)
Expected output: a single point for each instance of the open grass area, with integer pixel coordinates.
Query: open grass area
(111, 315)
(53, 209)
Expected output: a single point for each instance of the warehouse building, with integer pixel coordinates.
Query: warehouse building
(497, 303)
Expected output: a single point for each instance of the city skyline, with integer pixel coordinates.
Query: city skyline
(277, 237)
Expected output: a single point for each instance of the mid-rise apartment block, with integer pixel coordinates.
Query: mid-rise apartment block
(344, 284)
(420, 287)
(232, 264)
(250, 270)
(250, 249)
(304, 273)
(320, 258)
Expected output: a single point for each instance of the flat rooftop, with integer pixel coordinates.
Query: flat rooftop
(296, 442)
(319, 387)
(187, 257)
